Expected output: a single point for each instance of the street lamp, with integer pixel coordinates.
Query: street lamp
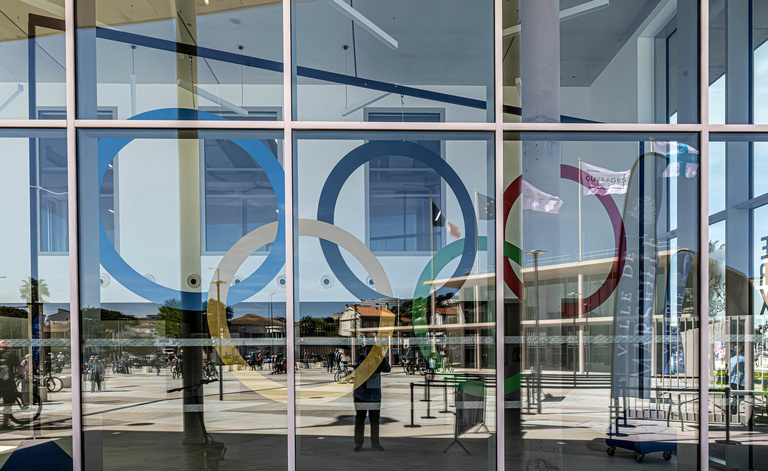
(218, 284)
(535, 254)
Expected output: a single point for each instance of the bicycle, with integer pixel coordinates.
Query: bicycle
(345, 374)
(209, 371)
(22, 412)
(53, 383)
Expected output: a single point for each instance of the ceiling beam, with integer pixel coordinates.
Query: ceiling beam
(364, 23)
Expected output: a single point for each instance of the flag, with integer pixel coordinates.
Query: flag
(454, 230)
(486, 207)
(673, 170)
(670, 148)
(679, 153)
(438, 218)
(537, 200)
(601, 181)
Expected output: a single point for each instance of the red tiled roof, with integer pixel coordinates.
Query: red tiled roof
(255, 319)
(448, 310)
(372, 311)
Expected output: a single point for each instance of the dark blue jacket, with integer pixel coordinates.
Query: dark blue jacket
(370, 391)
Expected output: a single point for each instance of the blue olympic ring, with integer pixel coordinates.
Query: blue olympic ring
(358, 157)
(147, 289)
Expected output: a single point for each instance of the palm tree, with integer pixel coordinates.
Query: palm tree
(32, 290)
(715, 245)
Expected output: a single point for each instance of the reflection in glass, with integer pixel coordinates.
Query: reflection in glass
(403, 336)
(576, 59)
(601, 319)
(183, 343)
(136, 58)
(399, 55)
(737, 308)
(32, 71)
(35, 355)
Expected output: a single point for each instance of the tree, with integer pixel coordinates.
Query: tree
(317, 327)
(169, 315)
(32, 290)
(8, 311)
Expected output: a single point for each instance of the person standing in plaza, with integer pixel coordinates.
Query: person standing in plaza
(97, 373)
(367, 400)
(9, 368)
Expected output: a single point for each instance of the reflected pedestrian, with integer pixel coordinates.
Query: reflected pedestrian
(367, 399)
(97, 373)
(9, 368)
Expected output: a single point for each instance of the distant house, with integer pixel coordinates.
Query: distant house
(447, 315)
(255, 326)
(357, 317)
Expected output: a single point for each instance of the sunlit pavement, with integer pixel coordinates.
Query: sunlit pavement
(136, 418)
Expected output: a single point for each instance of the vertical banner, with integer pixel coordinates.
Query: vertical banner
(673, 353)
(633, 319)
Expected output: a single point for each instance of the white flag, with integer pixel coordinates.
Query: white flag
(669, 148)
(673, 170)
(537, 200)
(682, 153)
(601, 181)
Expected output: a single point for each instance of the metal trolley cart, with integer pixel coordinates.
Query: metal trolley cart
(642, 436)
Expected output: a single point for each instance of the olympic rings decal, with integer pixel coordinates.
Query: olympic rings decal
(192, 300)
(240, 252)
(597, 298)
(358, 157)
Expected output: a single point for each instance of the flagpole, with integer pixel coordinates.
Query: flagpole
(580, 194)
(477, 239)
(432, 252)
(582, 328)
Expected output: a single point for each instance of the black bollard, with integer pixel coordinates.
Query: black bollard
(412, 424)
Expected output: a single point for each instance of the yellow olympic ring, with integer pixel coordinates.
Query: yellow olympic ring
(232, 261)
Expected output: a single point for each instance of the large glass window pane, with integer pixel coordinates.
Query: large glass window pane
(32, 63)
(379, 336)
(600, 61)
(219, 58)
(737, 307)
(738, 62)
(184, 344)
(601, 318)
(399, 54)
(35, 366)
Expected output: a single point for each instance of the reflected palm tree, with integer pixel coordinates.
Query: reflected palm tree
(32, 290)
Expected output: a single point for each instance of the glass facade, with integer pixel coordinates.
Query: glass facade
(264, 234)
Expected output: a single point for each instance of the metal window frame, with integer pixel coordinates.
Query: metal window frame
(498, 126)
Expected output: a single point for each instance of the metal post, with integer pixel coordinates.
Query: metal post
(536, 254)
(413, 425)
(429, 401)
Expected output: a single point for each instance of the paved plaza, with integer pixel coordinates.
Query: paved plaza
(138, 424)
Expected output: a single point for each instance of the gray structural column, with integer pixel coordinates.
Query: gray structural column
(189, 229)
(86, 59)
(90, 286)
(540, 87)
(738, 110)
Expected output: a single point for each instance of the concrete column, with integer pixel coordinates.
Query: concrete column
(189, 226)
(540, 76)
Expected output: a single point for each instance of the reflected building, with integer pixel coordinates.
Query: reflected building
(531, 234)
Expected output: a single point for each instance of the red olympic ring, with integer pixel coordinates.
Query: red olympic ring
(570, 308)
